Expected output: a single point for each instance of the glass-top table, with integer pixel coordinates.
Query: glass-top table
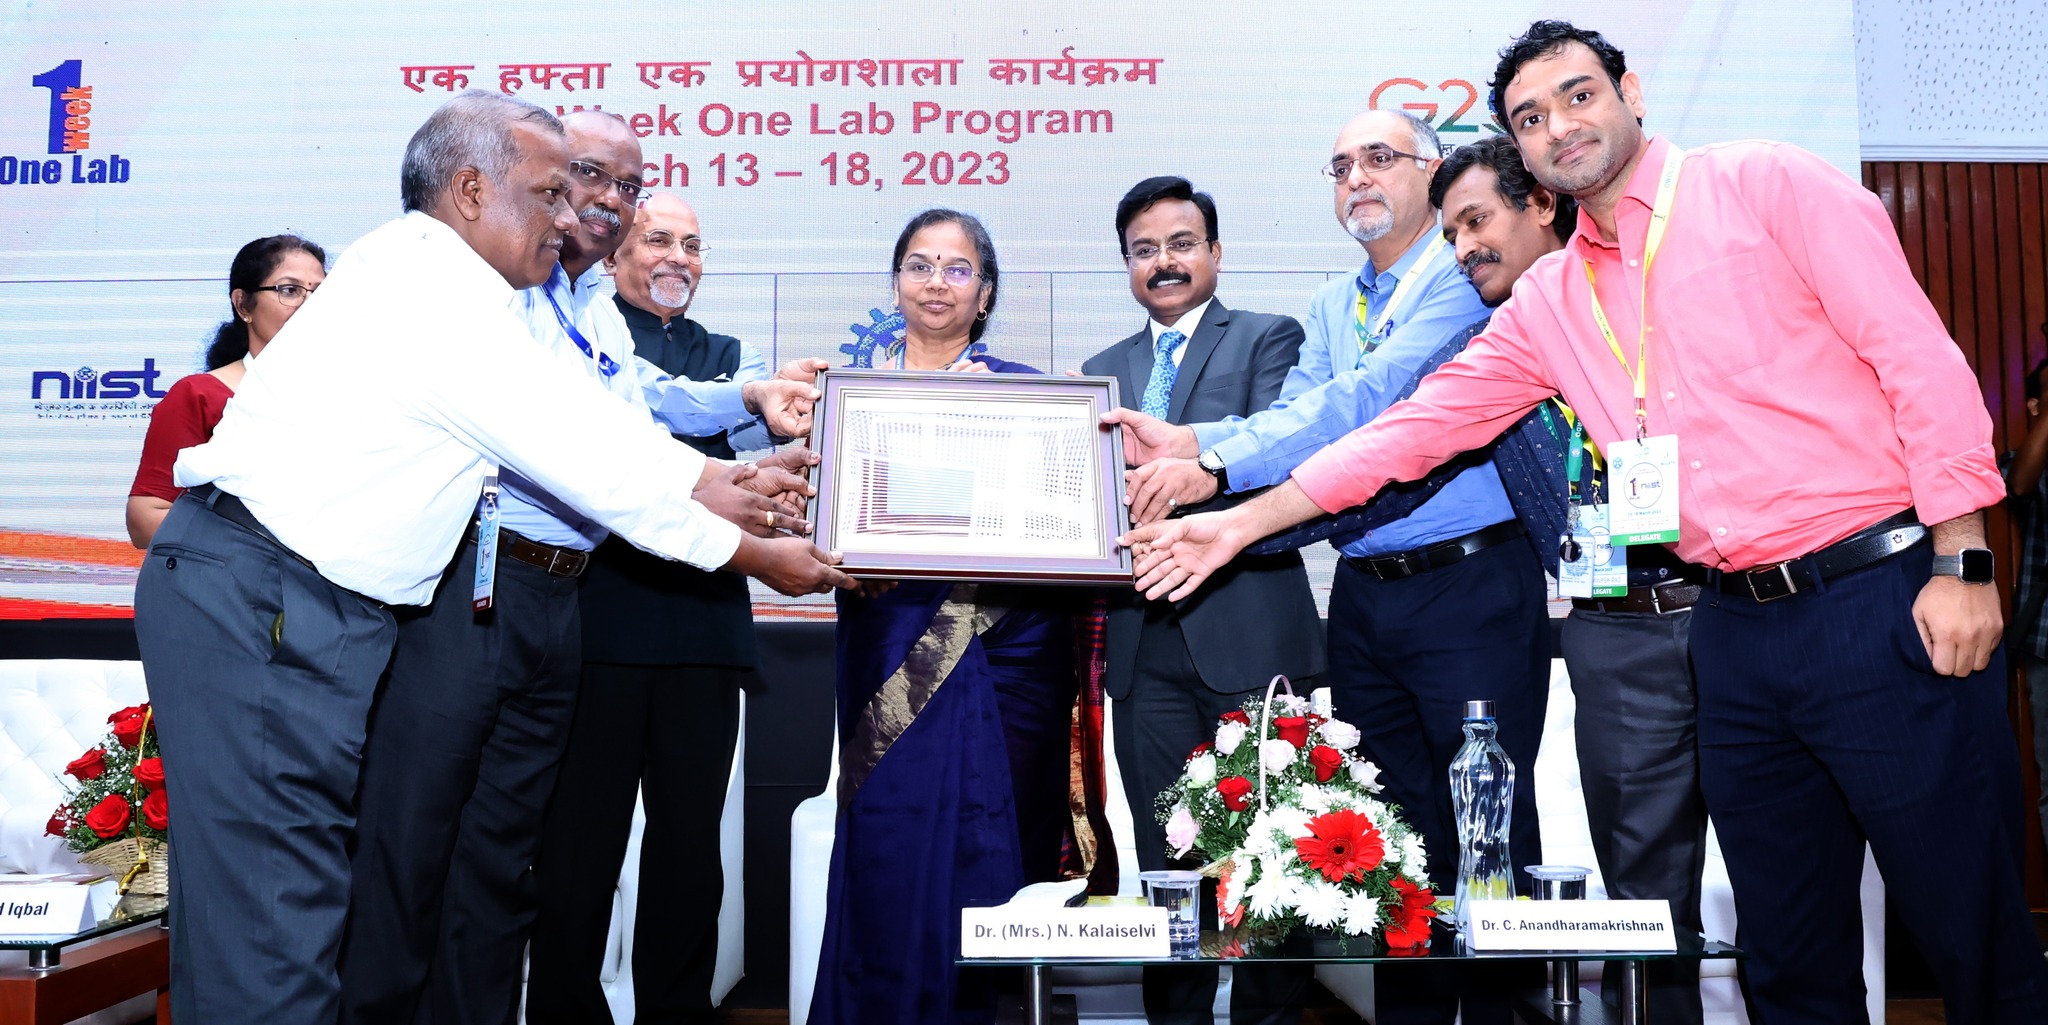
(1564, 996)
(46, 949)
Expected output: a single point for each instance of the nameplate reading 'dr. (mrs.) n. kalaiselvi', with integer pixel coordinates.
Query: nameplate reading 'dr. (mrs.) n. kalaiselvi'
(1572, 925)
(1014, 930)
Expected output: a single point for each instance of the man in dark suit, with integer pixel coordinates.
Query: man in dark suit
(665, 651)
(1174, 667)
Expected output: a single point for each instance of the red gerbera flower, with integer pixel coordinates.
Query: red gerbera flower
(1410, 927)
(1344, 845)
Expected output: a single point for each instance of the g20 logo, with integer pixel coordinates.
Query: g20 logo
(1450, 91)
(70, 133)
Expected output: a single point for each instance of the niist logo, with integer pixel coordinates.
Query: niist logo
(89, 394)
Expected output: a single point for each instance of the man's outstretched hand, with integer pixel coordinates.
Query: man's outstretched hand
(790, 565)
(1147, 437)
(784, 405)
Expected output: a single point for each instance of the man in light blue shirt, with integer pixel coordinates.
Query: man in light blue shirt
(476, 705)
(1439, 607)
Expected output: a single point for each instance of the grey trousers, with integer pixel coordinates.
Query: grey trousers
(261, 674)
(1638, 752)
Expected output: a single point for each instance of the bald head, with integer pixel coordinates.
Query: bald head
(602, 151)
(654, 270)
(1382, 196)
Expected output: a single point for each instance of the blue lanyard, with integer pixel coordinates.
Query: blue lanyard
(903, 352)
(605, 365)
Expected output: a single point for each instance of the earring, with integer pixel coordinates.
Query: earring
(983, 315)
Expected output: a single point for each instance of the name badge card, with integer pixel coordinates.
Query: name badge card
(482, 594)
(1601, 569)
(1635, 926)
(1643, 483)
(1037, 931)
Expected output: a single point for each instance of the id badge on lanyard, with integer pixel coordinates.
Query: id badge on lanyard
(486, 543)
(1643, 473)
(606, 366)
(1589, 564)
(1373, 337)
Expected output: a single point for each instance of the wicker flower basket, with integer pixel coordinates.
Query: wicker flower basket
(119, 857)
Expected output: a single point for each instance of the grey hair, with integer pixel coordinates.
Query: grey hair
(475, 129)
(1425, 137)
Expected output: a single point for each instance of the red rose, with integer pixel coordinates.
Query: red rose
(1324, 759)
(60, 822)
(109, 817)
(1292, 729)
(1315, 720)
(1202, 748)
(129, 731)
(156, 810)
(89, 765)
(1236, 716)
(131, 712)
(1236, 791)
(150, 773)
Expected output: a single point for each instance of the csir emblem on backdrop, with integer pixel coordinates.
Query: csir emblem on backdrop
(70, 135)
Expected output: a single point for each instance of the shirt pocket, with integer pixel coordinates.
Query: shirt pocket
(1713, 319)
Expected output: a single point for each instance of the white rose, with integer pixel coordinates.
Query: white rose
(1228, 736)
(1276, 755)
(1366, 775)
(1315, 799)
(1339, 734)
(1202, 770)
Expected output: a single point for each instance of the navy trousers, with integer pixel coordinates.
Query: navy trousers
(462, 754)
(1822, 725)
(261, 674)
(1405, 656)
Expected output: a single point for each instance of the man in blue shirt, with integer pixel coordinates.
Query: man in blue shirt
(475, 708)
(1443, 605)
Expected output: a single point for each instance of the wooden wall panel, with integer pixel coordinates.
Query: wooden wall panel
(1976, 237)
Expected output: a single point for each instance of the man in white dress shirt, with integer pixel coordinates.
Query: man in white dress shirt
(339, 484)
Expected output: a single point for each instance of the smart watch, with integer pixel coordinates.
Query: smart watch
(1971, 566)
(1213, 463)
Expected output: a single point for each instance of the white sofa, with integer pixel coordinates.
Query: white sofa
(1111, 994)
(52, 710)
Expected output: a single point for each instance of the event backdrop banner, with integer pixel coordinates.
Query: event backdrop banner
(139, 150)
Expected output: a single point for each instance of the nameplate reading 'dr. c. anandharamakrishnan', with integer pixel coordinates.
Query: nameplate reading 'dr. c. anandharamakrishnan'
(1015, 930)
(1627, 925)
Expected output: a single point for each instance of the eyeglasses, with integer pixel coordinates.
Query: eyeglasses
(917, 272)
(288, 293)
(1374, 158)
(591, 176)
(663, 241)
(1178, 247)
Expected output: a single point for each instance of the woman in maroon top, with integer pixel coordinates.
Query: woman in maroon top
(268, 280)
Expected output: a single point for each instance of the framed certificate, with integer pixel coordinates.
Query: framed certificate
(967, 476)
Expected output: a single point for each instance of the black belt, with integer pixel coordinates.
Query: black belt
(1402, 565)
(558, 562)
(231, 509)
(1879, 541)
(1669, 596)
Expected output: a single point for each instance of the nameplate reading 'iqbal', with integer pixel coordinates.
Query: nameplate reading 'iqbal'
(44, 909)
(1038, 931)
(1575, 925)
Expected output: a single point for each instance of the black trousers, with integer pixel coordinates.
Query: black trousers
(666, 734)
(1405, 655)
(261, 675)
(467, 732)
(1168, 712)
(1823, 725)
(1639, 764)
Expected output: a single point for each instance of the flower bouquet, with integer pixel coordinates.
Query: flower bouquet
(117, 815)
(1285, 814)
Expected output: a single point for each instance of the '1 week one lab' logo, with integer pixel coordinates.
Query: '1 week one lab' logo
(72, 159)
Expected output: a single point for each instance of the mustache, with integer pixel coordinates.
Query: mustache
(602, 216)
(1164, 276)
(1478, 259)
(1361, 196)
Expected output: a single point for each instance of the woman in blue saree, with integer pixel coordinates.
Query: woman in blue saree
(955, 712)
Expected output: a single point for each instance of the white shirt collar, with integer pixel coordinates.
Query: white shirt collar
(1185, 325)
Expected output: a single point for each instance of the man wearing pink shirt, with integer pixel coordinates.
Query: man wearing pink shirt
(1850, 685)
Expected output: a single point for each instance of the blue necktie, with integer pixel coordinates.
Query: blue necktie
(1159, 390)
